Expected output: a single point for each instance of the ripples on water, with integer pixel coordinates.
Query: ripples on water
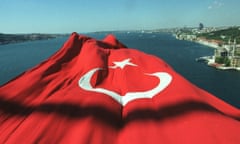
(181, 55)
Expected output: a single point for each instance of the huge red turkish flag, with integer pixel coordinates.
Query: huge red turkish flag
(102, 92)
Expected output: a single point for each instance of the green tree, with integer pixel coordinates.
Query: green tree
(219, 60)
(223, 60)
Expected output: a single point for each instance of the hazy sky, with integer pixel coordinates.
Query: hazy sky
(66, 16)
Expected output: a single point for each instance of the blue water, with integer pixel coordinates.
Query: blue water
(181, 55)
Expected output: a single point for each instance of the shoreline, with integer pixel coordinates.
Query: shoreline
(6, 39)
(207, 43)
(209, 60)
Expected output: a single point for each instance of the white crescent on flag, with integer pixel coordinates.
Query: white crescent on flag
(164, 80)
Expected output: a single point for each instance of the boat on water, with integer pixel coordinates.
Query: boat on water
(204, 59)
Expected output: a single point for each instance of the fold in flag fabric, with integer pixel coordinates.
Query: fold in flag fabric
(102, 92)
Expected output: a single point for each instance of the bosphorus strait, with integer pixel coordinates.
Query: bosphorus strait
(180, 55)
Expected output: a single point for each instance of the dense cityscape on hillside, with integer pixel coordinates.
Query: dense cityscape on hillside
(225, 40)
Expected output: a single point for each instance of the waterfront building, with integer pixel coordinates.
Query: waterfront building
(186, 37)
(228, 54)
(221, 52)
(237, 50)
(235, 61)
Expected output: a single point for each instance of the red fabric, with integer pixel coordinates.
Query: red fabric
(46, 104)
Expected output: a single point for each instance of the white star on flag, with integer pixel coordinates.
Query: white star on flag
(122, 64)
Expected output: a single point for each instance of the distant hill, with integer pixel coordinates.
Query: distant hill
(16, 38)
(224, 35)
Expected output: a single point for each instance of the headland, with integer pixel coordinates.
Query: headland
(17, 38)
(224, 40)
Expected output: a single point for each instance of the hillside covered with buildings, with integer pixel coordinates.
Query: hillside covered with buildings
(225, 40)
